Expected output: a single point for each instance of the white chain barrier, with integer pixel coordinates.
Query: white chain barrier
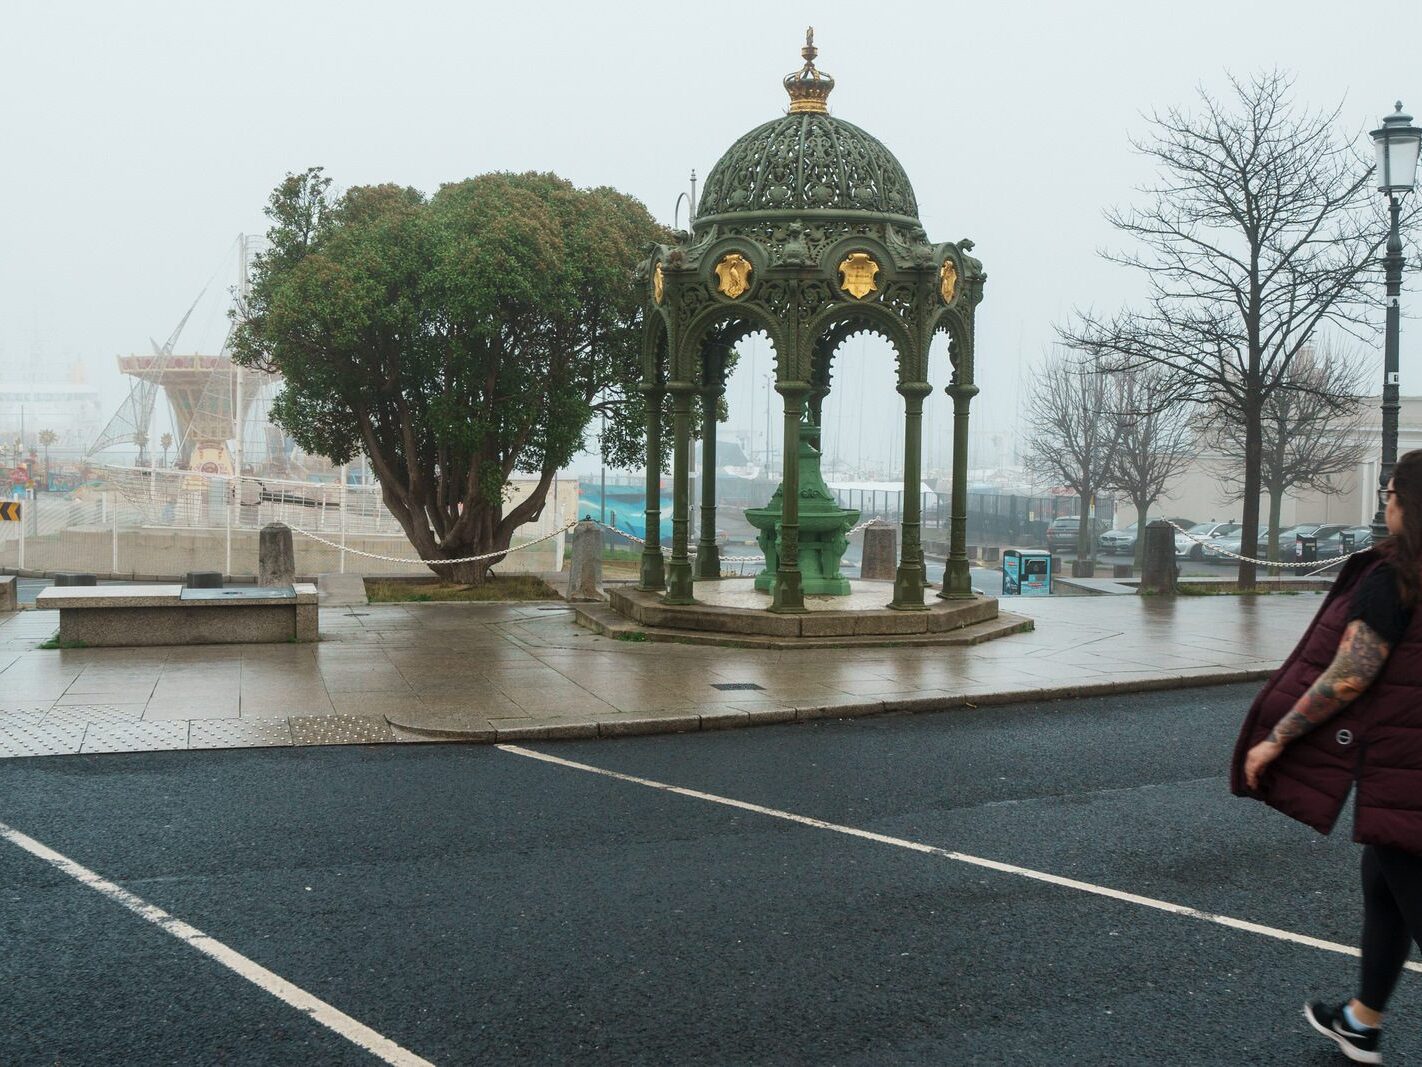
(1216, 550)
(435, 562)
(526, 544)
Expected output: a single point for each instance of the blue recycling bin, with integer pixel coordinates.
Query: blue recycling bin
(1026, 573)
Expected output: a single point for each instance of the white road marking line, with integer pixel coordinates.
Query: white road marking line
(960, 857)
(355, 1032)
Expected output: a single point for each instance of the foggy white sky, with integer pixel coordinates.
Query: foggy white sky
(140, 138)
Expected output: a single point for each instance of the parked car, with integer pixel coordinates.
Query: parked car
(1124, 539)
(1227, 545)
(1190, 547)
(1061, 534)
(1330, 546)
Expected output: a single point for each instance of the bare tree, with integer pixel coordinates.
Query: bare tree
(1074, 434)
(1311, 429)
(1155, 440)
(1261, 228)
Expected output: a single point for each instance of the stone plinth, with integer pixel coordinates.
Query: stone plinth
(1158, 571)
(585, 574)
(276, 558)
(881, 553)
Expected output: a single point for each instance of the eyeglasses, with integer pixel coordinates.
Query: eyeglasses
(1383, 494)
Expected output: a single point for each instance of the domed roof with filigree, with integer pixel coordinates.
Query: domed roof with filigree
(808, 160)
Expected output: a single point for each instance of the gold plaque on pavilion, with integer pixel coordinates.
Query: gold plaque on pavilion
(733, 274)
(658, 285)
(948, 281)
(857, 273)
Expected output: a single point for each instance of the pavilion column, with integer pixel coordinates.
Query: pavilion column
(909, 579)
(652, 575)
(708, 555)
(788, 593)
(679, 577)
(957, 583)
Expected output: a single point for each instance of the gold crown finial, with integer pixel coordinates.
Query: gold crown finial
(808, 87)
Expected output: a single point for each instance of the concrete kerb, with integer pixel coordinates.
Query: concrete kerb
(726, 719)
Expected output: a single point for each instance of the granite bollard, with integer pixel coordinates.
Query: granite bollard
(1158, 571)
(881, 553)
(276, 558)
(585, 573)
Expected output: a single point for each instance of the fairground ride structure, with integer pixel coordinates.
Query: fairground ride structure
(210, 397)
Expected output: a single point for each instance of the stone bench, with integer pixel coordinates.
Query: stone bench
(127, 615)
(9, 593)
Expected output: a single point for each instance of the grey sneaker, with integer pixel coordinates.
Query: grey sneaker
(1360, 1046)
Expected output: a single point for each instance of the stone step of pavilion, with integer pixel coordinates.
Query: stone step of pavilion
(608, 621)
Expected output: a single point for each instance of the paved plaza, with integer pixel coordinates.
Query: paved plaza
(525, 671)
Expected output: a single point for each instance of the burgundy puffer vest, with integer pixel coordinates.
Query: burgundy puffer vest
(1375, 741)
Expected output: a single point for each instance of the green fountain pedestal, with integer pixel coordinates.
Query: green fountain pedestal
(824, 526)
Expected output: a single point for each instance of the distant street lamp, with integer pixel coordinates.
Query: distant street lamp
(1396, 141)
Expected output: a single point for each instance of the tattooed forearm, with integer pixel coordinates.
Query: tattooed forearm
(1360, 658)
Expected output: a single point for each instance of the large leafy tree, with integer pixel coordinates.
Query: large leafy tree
(454, 339)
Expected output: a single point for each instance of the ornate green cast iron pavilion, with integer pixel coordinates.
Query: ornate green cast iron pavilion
(808, 231)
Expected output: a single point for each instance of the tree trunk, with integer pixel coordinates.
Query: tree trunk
(1142, 506)
(1253, 460)
(1276, 507)
(1084, 548)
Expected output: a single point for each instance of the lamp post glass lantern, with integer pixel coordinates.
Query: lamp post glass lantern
(1396, 142)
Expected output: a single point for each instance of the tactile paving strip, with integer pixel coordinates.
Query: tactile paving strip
(95, 713)
(40, 739)
(136, 736)
(340, 730)
(239, 733)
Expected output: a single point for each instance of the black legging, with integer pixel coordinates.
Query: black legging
(1392, 919)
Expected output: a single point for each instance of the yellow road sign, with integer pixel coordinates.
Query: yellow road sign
(9, 511)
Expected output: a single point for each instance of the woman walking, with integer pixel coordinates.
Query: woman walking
(1346, 708)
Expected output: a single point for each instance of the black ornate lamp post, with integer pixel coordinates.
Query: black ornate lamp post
(1396, 142)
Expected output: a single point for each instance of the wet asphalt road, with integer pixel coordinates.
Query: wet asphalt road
(477, 906)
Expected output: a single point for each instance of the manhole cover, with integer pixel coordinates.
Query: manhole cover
(728, 686)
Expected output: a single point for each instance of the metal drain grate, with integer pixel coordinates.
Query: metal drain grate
(727, 687)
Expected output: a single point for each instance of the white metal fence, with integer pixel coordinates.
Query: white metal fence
(139, 522)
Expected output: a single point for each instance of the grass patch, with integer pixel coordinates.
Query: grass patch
(498, 588)
(632, 635)
(58, 642)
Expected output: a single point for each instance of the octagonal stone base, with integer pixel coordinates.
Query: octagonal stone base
(731, 612)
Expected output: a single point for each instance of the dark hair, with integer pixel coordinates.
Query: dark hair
(1404, 550)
